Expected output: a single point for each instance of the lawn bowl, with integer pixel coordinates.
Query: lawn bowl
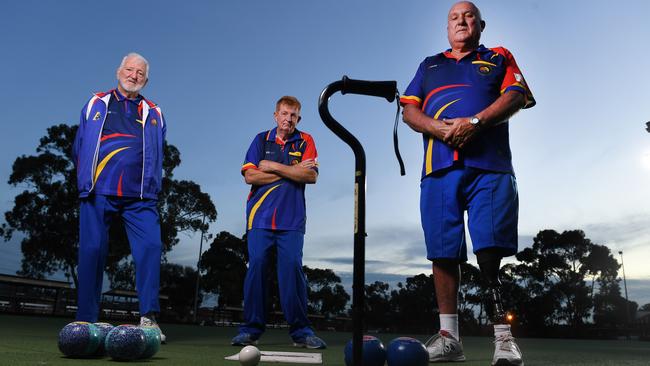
(79, 339)
(125, 343)
(406, 351)
(104, 329)
(152, 339)
(374, 353)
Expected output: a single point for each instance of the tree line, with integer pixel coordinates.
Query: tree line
(562, 281)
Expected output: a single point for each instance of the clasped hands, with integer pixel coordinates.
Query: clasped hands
(456, 132)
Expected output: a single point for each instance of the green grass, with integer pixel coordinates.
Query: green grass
(27, 340)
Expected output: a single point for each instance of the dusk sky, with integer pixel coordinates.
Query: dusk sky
(582, 156)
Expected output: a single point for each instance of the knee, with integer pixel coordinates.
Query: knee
(256, 264)
(489, 262)
(153, 245)
(291, 264)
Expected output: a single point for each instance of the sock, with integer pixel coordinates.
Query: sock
(449, 323)
(501, 330)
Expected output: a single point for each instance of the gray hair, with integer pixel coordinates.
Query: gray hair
(139, 57)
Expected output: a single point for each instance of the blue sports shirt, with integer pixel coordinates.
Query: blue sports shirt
(279, 205)
(444, 87)
(119, 163)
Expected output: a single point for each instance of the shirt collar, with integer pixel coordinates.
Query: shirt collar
(480, 49)
(272, 135)
(119, 97)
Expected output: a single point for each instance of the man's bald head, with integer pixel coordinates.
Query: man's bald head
(464, 25)
(470, 4)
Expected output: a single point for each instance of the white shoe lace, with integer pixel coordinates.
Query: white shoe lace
(148, 322)
(506, 338)
(507, 343)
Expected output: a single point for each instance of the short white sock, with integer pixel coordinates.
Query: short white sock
(501, 329)
(449, 323)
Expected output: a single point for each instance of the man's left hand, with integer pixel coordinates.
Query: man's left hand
(460, 133)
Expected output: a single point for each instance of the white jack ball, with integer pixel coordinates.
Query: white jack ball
(249, 356)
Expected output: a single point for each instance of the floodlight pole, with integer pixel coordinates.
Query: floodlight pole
(198, 272)
(627, 302)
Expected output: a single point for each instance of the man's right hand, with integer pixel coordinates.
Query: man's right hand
(420, 122)
(309, 163)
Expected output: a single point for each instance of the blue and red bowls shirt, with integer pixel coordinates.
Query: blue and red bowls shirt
(279, 205)
(444, 87)
(119, 163)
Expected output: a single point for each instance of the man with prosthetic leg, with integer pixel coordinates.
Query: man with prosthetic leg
(461, 100)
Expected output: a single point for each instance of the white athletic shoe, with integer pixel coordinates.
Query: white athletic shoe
(150, 321)
(506, 352)
(443, 347)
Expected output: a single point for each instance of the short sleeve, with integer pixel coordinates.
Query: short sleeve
(254, 154)
(513, 79)
(414, 92)
(310, 150)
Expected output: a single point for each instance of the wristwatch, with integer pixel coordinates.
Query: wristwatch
(476, 122)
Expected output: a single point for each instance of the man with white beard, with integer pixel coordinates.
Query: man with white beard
(118, 154)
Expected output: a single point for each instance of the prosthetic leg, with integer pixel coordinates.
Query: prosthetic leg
(506, 351)
(489, 262)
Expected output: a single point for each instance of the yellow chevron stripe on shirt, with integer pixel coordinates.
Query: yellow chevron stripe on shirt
(251, 216)
(429, 156)
(483, 63)
(104, 161)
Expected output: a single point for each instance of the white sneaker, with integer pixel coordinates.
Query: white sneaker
(150, 321)
(442, 347)
(506, 352)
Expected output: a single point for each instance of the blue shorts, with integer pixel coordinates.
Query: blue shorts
(492, 206)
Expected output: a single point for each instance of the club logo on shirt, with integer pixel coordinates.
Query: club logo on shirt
(484, 70)
(97, 116)
(154, 122)
(520, 79)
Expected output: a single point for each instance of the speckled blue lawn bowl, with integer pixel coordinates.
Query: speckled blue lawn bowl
(406, 351)
(152, 337)
(104, 329)
(79, 339)
(125, 343)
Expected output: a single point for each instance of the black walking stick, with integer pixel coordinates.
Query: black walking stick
(387, 90)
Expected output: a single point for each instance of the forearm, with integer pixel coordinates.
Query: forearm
(296, 173)
(257, 177)
(420, 122)
(502, 109)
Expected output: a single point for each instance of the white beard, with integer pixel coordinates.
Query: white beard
(134, 89)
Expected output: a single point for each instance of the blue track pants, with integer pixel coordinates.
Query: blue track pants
(291, 279)
(142, 225)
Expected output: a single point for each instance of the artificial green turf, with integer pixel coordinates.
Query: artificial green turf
(29, 340)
